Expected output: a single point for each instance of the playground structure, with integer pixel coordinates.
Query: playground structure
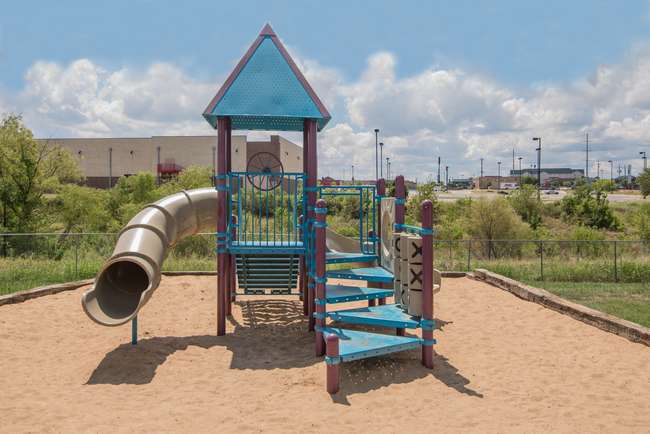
(271, 231)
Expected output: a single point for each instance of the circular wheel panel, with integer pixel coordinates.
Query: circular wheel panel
(269, 168)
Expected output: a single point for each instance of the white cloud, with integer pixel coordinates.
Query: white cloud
(448, 113)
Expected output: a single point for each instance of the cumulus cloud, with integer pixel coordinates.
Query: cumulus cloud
(85, 100)
(452, 114)
(463, 117)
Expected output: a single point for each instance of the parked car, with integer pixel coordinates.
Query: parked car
(503, 192)
(551, 192)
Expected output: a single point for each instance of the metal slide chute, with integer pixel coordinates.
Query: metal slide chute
(133, 272)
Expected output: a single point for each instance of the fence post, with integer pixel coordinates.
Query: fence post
(469, 254)
(615, 265)
(76, 257)
(541, 259)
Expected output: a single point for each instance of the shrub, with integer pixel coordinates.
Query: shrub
(493, 219)
(589, 206)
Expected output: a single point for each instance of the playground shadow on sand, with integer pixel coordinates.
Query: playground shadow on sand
(272, 336)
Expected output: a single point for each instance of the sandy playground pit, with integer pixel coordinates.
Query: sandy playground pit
(501, 365)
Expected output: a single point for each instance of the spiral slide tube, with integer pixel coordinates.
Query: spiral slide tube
(133, 272)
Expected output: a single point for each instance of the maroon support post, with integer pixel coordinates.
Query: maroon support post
(399, 219)
(320, 276)
(333, 363)
(427, 282)
(312, 177)
(222, 225)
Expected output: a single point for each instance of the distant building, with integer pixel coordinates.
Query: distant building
(550, 175)
(466, 183)
(107, 160)
(497, 182)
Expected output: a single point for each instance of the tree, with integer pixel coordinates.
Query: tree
(189, 179)
(81, 207)
(567, 184)
(526, 203)
(29, 169)
(488, 184)
(588, 206)
(493, 219)
(604, 185)
(128, 196)
(423, 192)
(580, 182)
(529, 180)
(644, 182)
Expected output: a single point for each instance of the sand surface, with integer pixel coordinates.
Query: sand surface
(501, 365)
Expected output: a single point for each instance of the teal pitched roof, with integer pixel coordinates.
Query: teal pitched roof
(267, 91)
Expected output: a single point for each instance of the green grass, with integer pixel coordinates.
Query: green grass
(629, 301)
(569, 269)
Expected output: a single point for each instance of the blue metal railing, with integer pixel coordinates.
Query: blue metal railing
(267, 206)
(368, 200)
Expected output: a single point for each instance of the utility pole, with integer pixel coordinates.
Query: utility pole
(513, 161)
(598, 171)
(447, 177)
(376, 155)
(587, 160)
(438, 170)
(481, 179)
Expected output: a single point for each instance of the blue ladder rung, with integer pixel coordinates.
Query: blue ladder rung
(354, 345)
(373, 274)
(390, 315)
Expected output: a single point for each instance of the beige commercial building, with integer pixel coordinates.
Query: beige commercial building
(107, 160)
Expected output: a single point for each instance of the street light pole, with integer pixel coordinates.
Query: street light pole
(387, 171)
(381, 158)
(539, 166)
(520, 173)
(376, 154)
(499, 178)
(353, 175)
(611, 172)
(645, 160)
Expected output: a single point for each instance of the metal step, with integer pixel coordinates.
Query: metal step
(355, 345)
(342, 258)
(390, 315)
(373, 274)
(342, 294)
(258, 271)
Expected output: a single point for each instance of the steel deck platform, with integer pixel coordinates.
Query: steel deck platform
(355, 345)
(341, 258)
(390, 315)
(342, 294)
(373, 274)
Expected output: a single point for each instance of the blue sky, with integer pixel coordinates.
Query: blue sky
(460, 80)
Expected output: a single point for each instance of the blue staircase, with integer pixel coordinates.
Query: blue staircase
(355, 345)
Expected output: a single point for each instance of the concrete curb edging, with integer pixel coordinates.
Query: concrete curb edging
(629, 330)
(19, 297)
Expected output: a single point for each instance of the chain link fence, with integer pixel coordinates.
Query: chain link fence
(31, 260)
(549, 260)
